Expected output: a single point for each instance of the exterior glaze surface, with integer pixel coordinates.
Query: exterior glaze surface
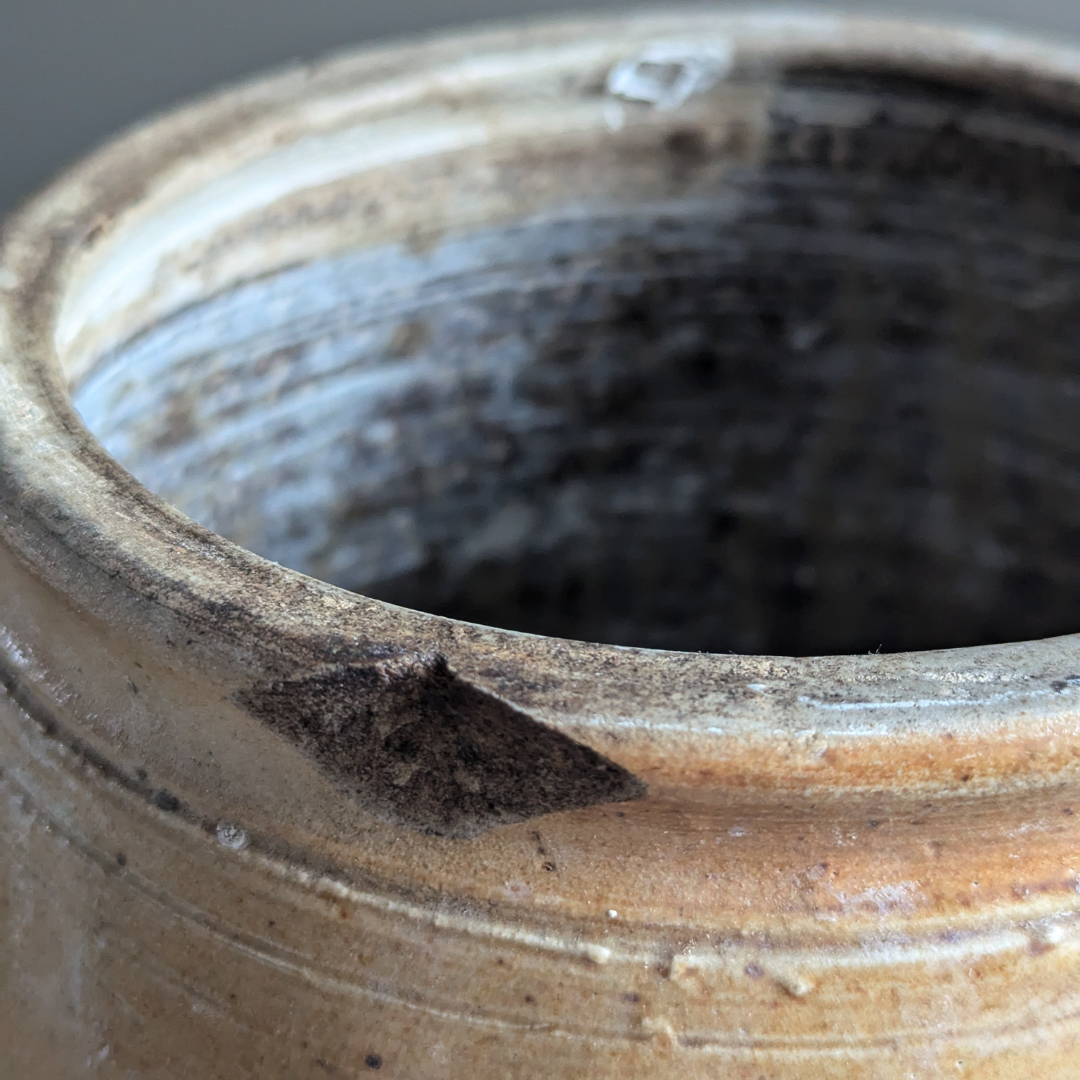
(854, 866)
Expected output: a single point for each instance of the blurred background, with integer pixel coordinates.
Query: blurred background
(74, 71)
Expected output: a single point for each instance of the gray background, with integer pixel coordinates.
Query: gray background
(73, 71)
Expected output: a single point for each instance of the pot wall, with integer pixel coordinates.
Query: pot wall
(257, 824)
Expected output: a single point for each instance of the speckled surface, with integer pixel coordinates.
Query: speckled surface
(780, 326)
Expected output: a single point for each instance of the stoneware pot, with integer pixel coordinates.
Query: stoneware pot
(339, 411)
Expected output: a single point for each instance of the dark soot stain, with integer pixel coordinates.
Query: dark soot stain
(417, 745)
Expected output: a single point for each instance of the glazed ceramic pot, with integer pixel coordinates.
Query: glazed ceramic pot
(342, 413)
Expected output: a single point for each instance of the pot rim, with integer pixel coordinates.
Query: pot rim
(72, 514)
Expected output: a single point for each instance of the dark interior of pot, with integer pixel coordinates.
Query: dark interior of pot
(813, 392)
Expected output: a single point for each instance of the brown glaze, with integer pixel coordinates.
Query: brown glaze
(698, 331)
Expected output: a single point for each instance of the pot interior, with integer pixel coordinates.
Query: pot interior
(791, 370)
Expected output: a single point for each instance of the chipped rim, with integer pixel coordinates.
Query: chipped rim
(66, 507)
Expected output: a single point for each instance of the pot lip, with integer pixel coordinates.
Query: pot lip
(70, 513)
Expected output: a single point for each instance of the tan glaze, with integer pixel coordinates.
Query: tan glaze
(860, 866)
